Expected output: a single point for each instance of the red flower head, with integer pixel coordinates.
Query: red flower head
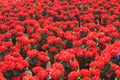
(3, 48)
(87, 78)
(43, 57)
(114, 67)
(65, 56)
(53, 49)
(74, 64)
(96, 78)
(32, 53)
(90, 43)
(118, 73)
(85, 72)
(42, 75)
(37, 69)
(73, 75)
(55, 74)
(58, 66)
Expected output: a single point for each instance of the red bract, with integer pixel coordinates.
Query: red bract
(95, 72)
(117, 73)
(114, 67)
(43, 56)
(90, 43)
(42, 75)
(58, 66)
(3, 48)
(79, 52)
(87, 78)
(45, 46)
(32, 53)
(55, 74)
(65, 56)
(95, 78)
(74, 64)
(85, 72)
(16, 78)
(37, 69)
(73, 75)
(53, 49)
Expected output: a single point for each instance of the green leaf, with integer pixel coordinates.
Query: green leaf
(118, 28)
(116, 79)
(51, 54)
(69, 44)
(67, 68)
(119, 16)
(44, 12)
(66, 65)
(105, 20)
(43, 41)
(4, 53)
(113, 40)
(23, 53)
(21, 18)
(83, 34)
(16, 72)
(33, 46)
(44, 36)
(4, 20)
(58, 46)
(84, 46)
(33, 61)
(100, 46)
(2, 31)
(26, 26)
(14, 38)
(36, 15)
(69, 1)
(79, 78)
(31, 16)
(25, 5)
(8, 74)
(43, 64)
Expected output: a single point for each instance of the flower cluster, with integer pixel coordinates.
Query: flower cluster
(59, 39)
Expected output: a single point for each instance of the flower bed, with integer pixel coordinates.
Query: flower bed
(60, 40)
